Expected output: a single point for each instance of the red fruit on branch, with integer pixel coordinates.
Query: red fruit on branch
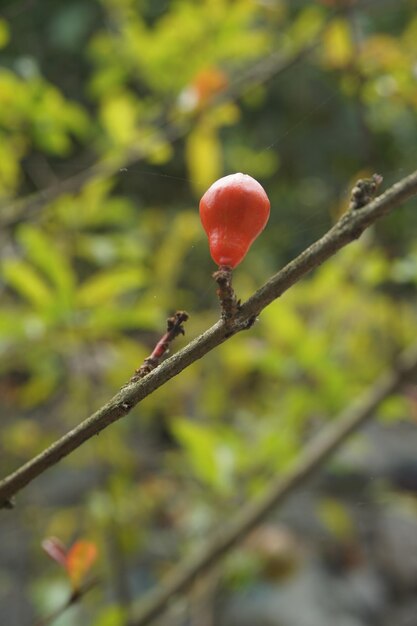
(233, 211)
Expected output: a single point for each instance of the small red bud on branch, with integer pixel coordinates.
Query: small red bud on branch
(174, 328)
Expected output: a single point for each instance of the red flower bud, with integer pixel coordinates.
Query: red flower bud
(233, 211)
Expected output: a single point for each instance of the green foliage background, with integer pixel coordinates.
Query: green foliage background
(109, 89)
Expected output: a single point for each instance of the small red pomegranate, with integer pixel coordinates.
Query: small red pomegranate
(233, 211)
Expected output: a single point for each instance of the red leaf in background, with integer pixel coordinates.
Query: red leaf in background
(80, 558)
(56, 550)
(208, 83)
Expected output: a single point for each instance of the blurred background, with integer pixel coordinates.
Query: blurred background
(115, 116)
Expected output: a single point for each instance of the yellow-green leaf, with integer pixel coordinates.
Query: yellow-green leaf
(204, 156)
(119, 118)
(107, 285)
(48, 258)
(26, 281)
(337, 44)
(4, 33)
(211, 458)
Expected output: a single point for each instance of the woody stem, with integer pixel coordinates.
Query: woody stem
(229, 303)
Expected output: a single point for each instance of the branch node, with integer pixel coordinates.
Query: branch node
(174, 328)
(251, 321)
(230, 305)
(9, 503)
(364, 191)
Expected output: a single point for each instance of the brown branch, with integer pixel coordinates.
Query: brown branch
(347, 229)
(314, 456)
(364, 191)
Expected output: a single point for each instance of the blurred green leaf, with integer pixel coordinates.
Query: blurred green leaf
(212, 459)
(204, 156)
(106, 286)
(28, 283)
(4, 33)
(113, 615)
(338, 45)
(395, 408)
(119, 116)
(336, 518)
(53, 262)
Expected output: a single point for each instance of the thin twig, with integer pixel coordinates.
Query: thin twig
(174, 328)
(74, 598)
(347, 229)
(313, 457)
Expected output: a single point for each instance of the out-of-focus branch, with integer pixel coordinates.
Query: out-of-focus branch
(348, 228)
(75, 597)
(313, 457)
